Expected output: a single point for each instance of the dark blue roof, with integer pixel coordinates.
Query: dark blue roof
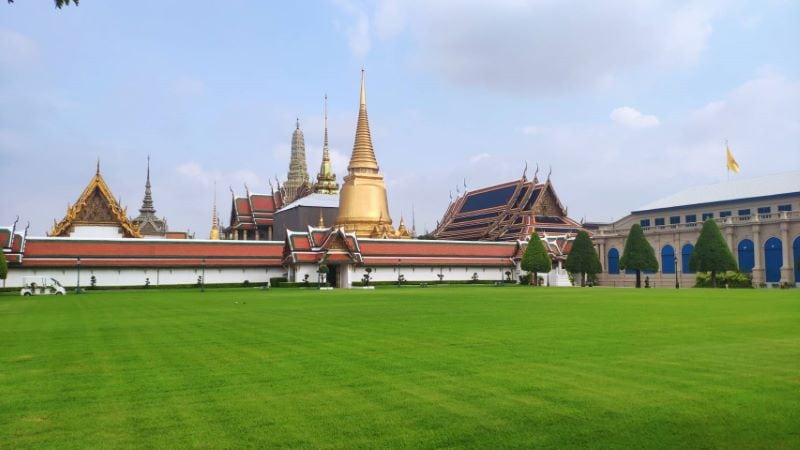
(489, 199)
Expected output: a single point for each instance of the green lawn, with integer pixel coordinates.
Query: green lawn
(480, 367)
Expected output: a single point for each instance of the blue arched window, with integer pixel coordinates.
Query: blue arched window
(686, 255)
(747, 256)
(613, 261)
(667, 259)
(773, 259)
(796, 259)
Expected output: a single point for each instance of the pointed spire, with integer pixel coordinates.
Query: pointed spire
(363, 156)
(321, 223)
(147, 203)
(298, 170)
(326, 179)
(214, 235)
(98, 166)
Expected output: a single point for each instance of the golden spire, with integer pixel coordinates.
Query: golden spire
(326, 179)
(214, 219)
(363, 206)
(363, 157)
(321, 223)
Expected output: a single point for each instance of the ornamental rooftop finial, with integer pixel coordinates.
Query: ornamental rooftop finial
(326, 179)
(363, 157)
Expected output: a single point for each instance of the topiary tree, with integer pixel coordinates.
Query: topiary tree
(582, 258)
(322, 275)
(3, 267)
(536, 259)
(711, 252)
(638, 255)
(367, 276)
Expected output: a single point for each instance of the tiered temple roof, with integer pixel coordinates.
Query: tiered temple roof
(147, 222)
(321, 245)
(96, 207)
(254, 210)
(506, 212)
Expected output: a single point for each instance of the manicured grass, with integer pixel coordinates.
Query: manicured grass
(479, 367)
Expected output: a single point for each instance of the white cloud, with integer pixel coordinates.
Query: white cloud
(540, 47)
(474, 159)
(17, 50)
(357, 28)
(198, 174)
(630, 117)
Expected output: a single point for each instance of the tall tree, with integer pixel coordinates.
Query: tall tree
(3, 267)
(711, 252)
(582, 257)
(638, 254)
(535, 259)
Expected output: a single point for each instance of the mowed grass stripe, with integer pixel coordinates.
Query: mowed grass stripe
(438, 367)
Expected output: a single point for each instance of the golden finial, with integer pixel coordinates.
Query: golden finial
(321, 223)
(98, 166)
(214, 218)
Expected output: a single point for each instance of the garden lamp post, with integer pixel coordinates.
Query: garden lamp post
(78, 264)
(203, 277)
(677, 284)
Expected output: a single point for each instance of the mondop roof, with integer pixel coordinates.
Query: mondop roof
(766, 186)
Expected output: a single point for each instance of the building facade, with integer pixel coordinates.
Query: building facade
(759, 218)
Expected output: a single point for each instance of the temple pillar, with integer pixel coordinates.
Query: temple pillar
(787, 270)
(729, 238)
(758, 251)
(257, 234)
(269, 233)
(235, 234)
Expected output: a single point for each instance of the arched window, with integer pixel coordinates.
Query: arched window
(667, 259)
(746, 256)
(686, 255)
(773, 259)
(613, 261)
(796, 259)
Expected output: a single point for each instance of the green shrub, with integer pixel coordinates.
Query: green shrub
(275, 281)
(730, 279)
(301, 284)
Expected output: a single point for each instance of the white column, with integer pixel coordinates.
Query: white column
(758, 251)
(787, 270)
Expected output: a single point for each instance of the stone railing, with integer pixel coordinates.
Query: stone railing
(723, 222)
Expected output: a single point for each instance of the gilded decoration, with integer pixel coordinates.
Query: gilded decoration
(363, 205)
(95, 206)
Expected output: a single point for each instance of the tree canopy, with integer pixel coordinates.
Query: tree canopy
(3, 266)
(536, 259)
(711, 252)
(638, 254)
(582, 257)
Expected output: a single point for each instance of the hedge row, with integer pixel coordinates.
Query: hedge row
(417, 283)
(725, 279)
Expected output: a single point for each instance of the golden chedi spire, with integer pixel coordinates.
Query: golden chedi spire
(214, 236)
(363, 205)
(326, 179)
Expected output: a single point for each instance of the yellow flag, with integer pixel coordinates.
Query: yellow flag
(733, 166)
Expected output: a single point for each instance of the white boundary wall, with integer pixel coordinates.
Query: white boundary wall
(137, 276)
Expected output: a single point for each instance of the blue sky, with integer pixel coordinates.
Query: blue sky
(627, 101)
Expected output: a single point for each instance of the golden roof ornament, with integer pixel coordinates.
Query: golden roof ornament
(95, 206)
(326, 179)
(363, 205)
(214, 235)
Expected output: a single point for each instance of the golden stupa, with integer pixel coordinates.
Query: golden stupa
(363, 206)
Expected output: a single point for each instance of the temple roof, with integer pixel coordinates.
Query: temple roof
(315, 200)
(506, 212)
(759, 187)
(254, 209)
(96, 206)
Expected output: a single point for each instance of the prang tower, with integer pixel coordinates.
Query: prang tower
(297, 179)
(363, 206)
(326, 179)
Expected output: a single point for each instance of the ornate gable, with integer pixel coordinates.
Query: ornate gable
(95, 206)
